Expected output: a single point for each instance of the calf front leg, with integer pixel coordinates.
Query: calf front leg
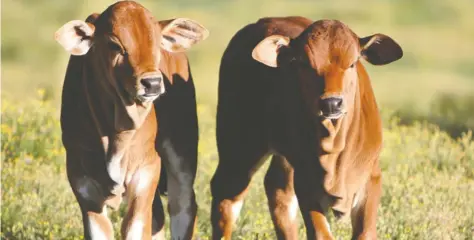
(181, 169)
(97, 224)
(137, 223)
(364, 212)
(313, 207)
(91, 200)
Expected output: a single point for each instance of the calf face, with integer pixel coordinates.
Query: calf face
(122, 46)
(325, 58)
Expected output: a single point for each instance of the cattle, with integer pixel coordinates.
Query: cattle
(128, 103)
(296, 91)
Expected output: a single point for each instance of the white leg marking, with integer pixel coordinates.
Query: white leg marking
(104, 211)
(95, 230)
(136, 230)
(327, 225)
(144, 178)
(293, 208)
(114, 168)
(236, 207)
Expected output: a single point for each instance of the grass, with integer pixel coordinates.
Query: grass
(428, 182)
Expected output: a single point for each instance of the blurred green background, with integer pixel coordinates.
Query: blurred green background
(427, 100)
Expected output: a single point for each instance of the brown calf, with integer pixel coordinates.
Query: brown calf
(123, 60)
(297, 90)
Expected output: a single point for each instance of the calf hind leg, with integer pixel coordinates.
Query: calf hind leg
(282, 201)
(229, 187)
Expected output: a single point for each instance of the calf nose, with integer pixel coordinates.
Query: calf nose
(331, 105)
(152, 85)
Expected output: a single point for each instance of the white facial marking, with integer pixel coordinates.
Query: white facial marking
(236, 207)
(136, 230)
(114, 168)
(96, 231)
(293, 208)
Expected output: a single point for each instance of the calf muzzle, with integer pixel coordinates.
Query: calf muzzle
(332, 107)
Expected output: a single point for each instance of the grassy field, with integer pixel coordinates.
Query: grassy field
(428, 182)
(427, 100)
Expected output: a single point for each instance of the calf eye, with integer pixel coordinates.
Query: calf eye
(117, 48)
(352, 65)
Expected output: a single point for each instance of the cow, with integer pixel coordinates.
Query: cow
(296, 90)
(128, 103)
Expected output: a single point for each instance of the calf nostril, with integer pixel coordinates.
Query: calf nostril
(151, 85)
(332, 104)
(145, 83)
(339, 103)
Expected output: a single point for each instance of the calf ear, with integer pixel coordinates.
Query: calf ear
(91, 18)
(267, 50)
(380, 49)
(75, 36)
(181, 33)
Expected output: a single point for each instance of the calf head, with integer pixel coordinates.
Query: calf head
(122, 49)
(325, 59)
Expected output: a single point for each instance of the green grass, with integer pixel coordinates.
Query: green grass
(428, 182)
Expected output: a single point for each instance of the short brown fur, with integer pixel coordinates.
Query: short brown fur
(103, 124)
(324, 161)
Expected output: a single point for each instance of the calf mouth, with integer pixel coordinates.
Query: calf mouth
(332, 115)
(146, 97)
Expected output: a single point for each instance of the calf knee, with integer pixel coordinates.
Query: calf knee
(181, 196)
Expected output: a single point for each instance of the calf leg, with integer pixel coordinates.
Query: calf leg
(282, 201)
(91, 200)
(229, 186)
(181, 165)
(312, 209)
(158, 215)
(364, 212)
(97, 225)
(137, 223)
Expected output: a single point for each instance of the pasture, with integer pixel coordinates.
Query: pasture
(426, 99)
